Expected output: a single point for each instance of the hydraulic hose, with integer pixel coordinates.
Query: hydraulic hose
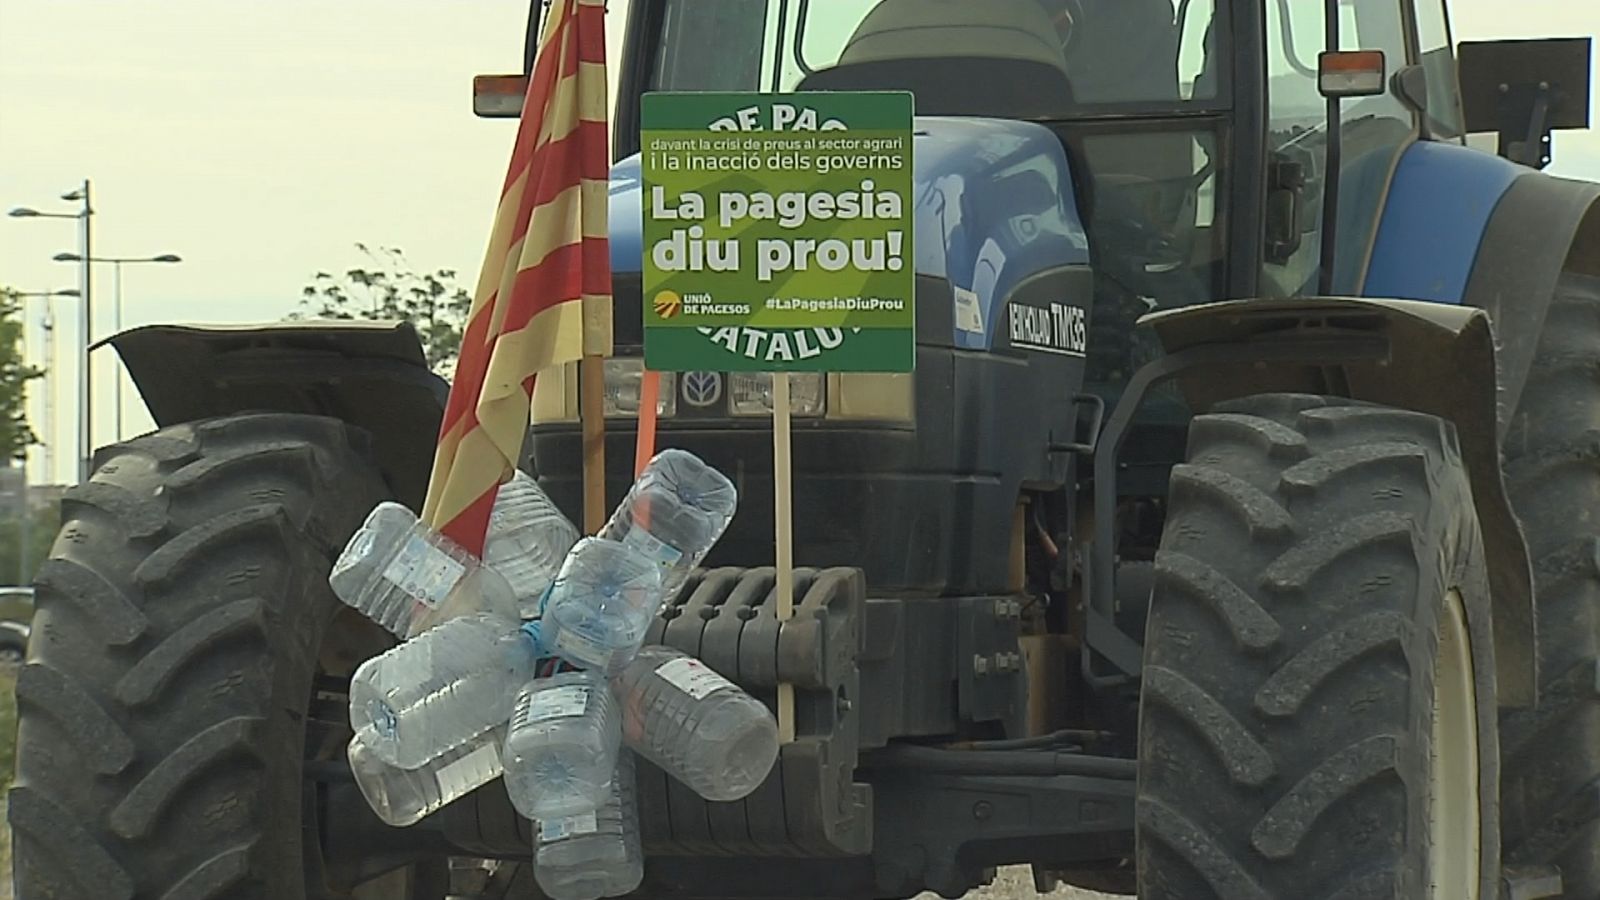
(907, 757)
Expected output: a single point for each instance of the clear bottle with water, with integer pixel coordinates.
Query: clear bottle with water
(674, 513)
(403, 797)
(594, 854)
(695, 725)
(561, 750)
(439, 690)
(528, 538)
(601, 604)
(407, 577)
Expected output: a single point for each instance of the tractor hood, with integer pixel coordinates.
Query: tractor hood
(992, 201)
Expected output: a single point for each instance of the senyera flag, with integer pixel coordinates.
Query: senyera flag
(544, 295)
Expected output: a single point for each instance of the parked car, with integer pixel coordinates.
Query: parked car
(13, 642)
(16, 603)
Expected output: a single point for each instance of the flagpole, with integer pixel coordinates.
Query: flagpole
(591, 388)
(782, 484)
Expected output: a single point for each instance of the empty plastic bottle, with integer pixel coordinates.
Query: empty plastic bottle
(404, 797)
(674, 513)
(527, 539)
(562, 747)
(594, 854)
(695, 725)
(601, 604)
(407, 577)
(437, 691)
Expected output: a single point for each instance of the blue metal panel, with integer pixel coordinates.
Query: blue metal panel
(967, 228)
(1439, 205)
(627, 216)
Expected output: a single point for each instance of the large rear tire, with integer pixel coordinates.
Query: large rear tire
(1317, 715)
(1551, 791)
(184, 623)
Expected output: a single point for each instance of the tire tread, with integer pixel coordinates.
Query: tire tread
(1283, 664)
(159, 743)
(1551, 793)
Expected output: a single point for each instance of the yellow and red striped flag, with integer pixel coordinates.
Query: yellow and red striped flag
(544, 295)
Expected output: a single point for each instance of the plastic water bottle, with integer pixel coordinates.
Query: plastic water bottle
(562, 748)
(674, 513)
(437, 691)
(407, 577)
(695, 725)
(527, 539)
(601, 605)
(404, 797)
(594, 854)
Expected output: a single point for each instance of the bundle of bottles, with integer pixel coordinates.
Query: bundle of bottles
(529, 665)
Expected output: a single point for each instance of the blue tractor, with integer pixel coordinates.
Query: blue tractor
(1236, 535)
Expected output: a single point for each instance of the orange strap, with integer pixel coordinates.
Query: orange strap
(649, 391)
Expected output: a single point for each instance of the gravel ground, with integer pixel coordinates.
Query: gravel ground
(1016, 883)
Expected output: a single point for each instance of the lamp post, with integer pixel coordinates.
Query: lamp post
(116, 264)
(25, 516)
(84, 215)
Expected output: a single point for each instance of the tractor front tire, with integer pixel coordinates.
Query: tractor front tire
(167, 701)
(1551, 791)
(1317, 716)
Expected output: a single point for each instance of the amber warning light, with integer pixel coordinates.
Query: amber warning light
(1351, 73)
(498, 96)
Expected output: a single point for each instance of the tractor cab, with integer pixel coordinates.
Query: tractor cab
(1104, 143)
(1075, 161)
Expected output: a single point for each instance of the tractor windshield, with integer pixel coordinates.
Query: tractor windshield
(1035, 59)
(1137, 91)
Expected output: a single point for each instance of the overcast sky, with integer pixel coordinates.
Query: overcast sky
(259, 140)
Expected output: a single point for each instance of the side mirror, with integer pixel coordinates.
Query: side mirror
(1351, 73)
(1523, 90)
(1285, 209)
(501, 96)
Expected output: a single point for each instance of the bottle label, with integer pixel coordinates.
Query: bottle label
(425, 573)
(466, 773)
(662, 553)
(571, 826)
(693, 677)
(558, 703)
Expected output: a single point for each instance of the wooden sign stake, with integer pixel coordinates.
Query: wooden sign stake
(782, 486)
(592, 410)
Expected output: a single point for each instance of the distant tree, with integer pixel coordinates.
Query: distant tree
(14, 568)
(388, 288)
(15, 435)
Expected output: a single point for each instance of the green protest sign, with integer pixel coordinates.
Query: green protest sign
(777, 232)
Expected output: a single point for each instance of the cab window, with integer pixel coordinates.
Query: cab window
(1105, 52)
(1374, 131)
(1445, 120)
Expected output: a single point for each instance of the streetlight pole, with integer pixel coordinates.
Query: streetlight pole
(86, 291)
(116, 268)
(86, 320)
(116, 328)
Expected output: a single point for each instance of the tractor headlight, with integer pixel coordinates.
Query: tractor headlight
(872, 397)
(750, 394)
(623, 379)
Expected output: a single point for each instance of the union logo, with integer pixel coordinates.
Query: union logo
(668, 304)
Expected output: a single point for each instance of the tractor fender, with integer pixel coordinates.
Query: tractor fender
(1542, 227)
(1461, 226)
(1440, 360)
(372, 375)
